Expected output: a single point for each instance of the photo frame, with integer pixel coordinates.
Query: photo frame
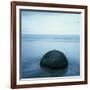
(48, 44)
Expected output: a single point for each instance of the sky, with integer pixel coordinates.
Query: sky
(33, 22)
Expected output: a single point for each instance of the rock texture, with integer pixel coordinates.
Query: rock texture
(54, 59)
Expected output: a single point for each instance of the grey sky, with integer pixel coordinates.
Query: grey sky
(50, 23)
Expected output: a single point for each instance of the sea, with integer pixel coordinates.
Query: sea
(34, 47)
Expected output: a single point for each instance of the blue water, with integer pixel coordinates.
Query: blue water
(33, 48)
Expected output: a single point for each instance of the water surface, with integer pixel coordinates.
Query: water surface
(33, 47)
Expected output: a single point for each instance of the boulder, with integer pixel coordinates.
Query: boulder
(54, 60)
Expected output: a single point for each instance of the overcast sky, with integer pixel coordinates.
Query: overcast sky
(50, 23)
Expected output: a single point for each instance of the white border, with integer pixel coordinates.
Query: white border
(53, 79)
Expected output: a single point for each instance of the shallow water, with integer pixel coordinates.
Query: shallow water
(33, 50)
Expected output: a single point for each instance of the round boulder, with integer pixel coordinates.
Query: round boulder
(54, 59)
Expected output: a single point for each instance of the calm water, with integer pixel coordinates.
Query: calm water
(34, 47)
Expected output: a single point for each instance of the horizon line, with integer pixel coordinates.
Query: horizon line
(50, 34)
